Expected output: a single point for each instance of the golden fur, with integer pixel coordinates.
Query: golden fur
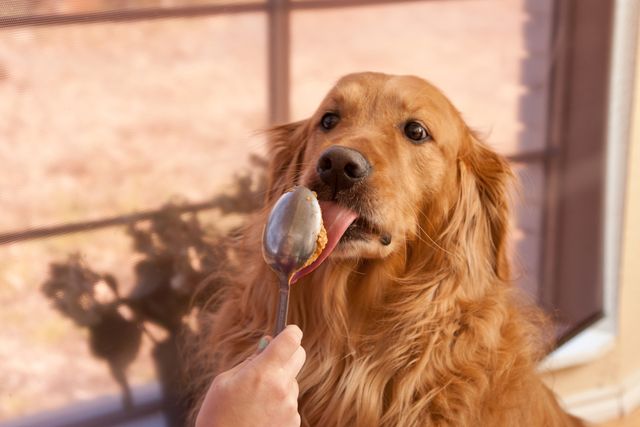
(425, 331)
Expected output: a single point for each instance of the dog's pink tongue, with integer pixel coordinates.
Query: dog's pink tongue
(336, 220)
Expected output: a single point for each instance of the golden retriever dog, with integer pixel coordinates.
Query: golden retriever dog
(413, 319)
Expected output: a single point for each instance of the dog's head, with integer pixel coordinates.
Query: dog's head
(395, 151)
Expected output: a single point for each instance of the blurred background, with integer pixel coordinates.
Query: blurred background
(131, 148)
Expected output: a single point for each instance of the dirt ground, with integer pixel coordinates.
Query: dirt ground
(111, 118)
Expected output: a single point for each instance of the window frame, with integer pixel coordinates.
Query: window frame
(574, 22)
(597, 339)
(575, 173)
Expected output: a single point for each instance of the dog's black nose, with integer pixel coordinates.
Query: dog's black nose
(342, 167)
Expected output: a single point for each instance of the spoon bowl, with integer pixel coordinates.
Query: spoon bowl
(290, 239)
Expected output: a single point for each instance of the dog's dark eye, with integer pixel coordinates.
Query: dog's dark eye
(416, 132)
(329, 121)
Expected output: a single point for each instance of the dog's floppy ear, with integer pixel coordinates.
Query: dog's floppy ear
(286, 153)
(493, 176)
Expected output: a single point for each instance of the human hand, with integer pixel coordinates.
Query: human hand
(262, 391)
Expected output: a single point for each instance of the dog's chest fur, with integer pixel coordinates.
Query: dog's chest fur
(391, 356)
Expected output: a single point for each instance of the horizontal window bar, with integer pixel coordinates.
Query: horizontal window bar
(531, 156)
(75, 227)
(129, 15)
(180, 12)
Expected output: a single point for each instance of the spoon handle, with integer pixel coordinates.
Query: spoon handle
(283, 305)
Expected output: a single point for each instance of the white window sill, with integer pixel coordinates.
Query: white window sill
(587, 346)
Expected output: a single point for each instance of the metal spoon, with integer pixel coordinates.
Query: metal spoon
(289, 240)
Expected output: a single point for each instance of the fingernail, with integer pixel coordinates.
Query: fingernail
(262, 344)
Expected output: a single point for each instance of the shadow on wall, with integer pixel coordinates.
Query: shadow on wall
(178, 254)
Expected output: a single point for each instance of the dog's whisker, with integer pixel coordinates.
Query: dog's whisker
(432, 243)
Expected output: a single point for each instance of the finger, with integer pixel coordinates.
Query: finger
(297, 422)
(290, 402)
(295, 363)
(295, 388)
(281, 348)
